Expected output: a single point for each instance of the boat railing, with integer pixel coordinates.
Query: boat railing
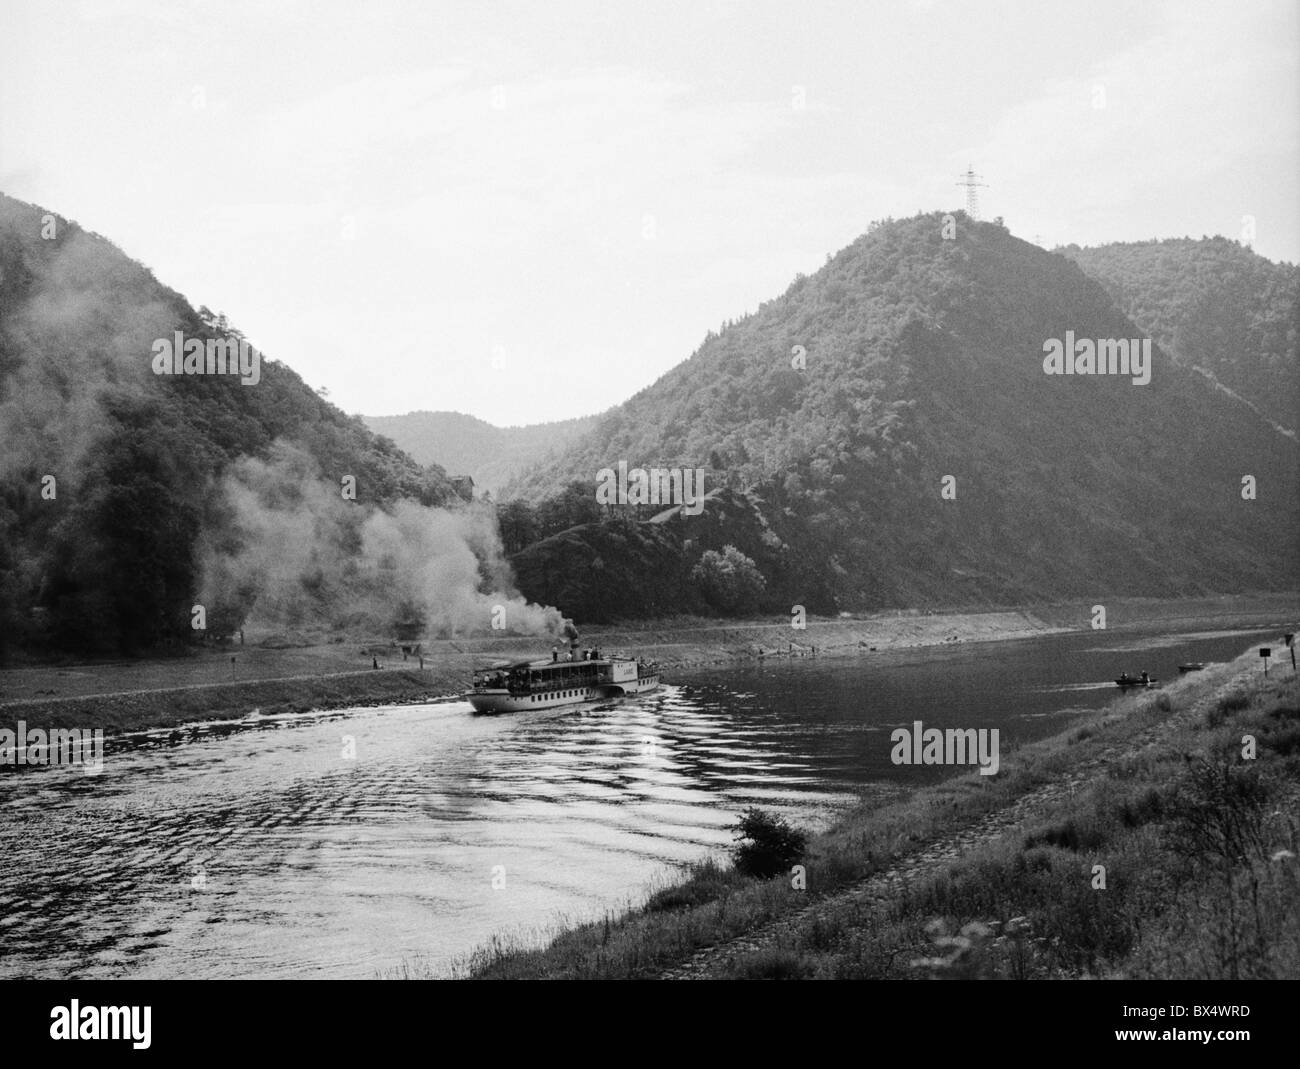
(544, 679)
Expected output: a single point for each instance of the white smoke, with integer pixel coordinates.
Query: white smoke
(296, 553)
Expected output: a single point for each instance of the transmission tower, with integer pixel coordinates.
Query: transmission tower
(972, 198)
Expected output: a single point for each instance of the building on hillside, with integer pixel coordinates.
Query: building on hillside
(464, 486)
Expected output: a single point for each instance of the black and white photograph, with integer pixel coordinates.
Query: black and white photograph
(609, 491)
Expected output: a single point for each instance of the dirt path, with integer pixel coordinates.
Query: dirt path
(877, 888)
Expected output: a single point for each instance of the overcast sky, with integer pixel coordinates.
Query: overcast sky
(531, 211)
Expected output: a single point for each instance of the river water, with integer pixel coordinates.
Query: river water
(343, 844)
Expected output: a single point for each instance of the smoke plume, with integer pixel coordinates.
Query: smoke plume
(295, 552)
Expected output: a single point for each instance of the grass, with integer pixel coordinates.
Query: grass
(1173, 859)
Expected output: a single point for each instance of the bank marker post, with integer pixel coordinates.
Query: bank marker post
(1266, 652)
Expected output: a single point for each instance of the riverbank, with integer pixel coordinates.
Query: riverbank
(275, 674)
(173, 706)
(1158, 838)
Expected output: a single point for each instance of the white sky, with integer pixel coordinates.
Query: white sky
(531, 211)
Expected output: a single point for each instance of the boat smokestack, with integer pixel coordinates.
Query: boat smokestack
(571, 633)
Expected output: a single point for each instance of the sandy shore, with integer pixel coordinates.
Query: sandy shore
(229, 683)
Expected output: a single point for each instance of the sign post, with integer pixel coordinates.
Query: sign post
(1265, 652)
(1289, 639)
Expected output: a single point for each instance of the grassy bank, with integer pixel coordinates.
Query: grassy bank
(1140, 843)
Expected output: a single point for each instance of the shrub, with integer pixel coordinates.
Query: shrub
(767, 844)
(1219, 809)
(1225, 707)
(1285, 742)
(1148, 806)
(1071, 834)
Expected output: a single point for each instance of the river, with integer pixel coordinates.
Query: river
(343, 844)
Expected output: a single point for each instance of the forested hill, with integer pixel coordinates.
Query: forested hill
(925, 359)
(113, 479)
(465, 445)
(1215, 304)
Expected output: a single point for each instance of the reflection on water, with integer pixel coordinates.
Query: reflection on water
(338, 844)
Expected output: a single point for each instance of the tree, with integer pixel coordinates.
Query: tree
(574, 505)
(518, 525)
(730, 581)
(124, 570)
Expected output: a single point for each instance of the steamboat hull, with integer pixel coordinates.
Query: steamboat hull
(501, 701)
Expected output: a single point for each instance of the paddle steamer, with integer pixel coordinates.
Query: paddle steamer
(583, 676)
